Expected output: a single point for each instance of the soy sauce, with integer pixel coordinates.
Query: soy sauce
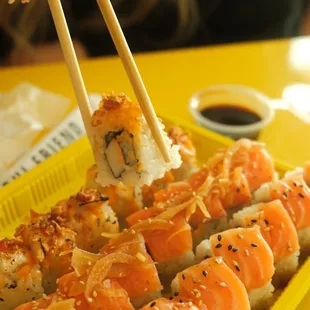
(230, 115)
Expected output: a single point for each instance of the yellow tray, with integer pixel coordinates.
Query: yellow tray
(64, 173)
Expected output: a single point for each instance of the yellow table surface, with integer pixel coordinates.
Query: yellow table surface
(172, 77)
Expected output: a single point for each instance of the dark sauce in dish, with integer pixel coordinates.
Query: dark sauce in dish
(232, 115)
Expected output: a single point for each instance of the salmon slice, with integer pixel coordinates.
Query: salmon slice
(175, 304)
(258, 166)
(136, 279)
(212, 284)
(245, 251)
(275, 225)
(70, 295)
(295, 197)
(166, 245)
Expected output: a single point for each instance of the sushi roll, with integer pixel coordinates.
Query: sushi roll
(211, 284)
(294, 194)
(245, 251)
(139, 277)
(89, 214)
(50, 245)
(70, 296)
(236, 171)
(187, 152)
(123, 199)
(279, 231)
(172, 304)
(21, 278)
(124, 149)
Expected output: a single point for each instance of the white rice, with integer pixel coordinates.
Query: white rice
(139, 302)
(260, 297)
(152, 166)
(14, 290)
(203, 251)
(168, 270)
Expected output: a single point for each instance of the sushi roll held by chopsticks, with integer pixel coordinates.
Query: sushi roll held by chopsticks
(124, 149)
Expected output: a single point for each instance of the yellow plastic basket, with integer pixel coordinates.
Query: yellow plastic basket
(63, 174)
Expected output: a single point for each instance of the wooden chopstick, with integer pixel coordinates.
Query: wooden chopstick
(133, 74)
(72, 64)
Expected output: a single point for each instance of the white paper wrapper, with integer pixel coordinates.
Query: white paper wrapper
(24, 112)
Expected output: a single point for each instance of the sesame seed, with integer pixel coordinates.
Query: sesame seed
(153, 304)
(282, 225)
(196, 293)
(133, 231)
(235, 250)
(229, 247)
(204, 273)
(200, 302)
(149, 221)
(254, 245)
(266, 222)
(190, 303)
(78, 303)
(82, 282)
(170, 222)
(247, 253)
(203, 287)
(223, 284)
(183, 276)
(219, 237)
(253, 221)
(89, 299)
(219, 245)
(176, 294)
(290, 249)
(267, 229)
(218, 260)
(301, 195)
(95, 294)
(89, 263)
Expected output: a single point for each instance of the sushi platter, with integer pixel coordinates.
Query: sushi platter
(64, 188)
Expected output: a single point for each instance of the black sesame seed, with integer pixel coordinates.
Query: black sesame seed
(114, 222)
(183, 276)
(176, 294)
(301, 195)
(253, 221)
(254, 245)
(204, 273)
(181, 301)
(237, 267)
(153, 304)
(238, 189)
(229, 247)
(108, 219)
(285, 194)
(104, 198)
(206, 256)
(235, 249)
(219, 245)
(295, 184)
(266, 222)
(219, 237)
(170, 298)
(1, 299)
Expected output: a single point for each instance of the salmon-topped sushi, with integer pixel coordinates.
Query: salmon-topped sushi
(187, 152)
(50, 245)
(294, 194)
(211, 284)
(20, 275)
(140, 279)
(171, 246)
(123, 199)
(70, 296)
(245, 251)
(280, 233)
(124, 148)
(172, 304)
(89, 214)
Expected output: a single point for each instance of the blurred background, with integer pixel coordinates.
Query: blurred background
(27, 34)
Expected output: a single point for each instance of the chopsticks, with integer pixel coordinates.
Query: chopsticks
(128, 62)
(72, 64)
(133, 74)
